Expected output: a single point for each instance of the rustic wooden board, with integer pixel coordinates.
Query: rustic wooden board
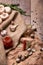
(37, 16)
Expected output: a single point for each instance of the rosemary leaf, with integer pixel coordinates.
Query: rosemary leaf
(15, 7)
(10, 4)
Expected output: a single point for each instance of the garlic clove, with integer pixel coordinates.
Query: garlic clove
(18, 60)
(7, 9)
(1, 9)
(13, 28)
(33, 50)
(29, 49)
(41, 49)
(30, 53)
(4, 16)
(3, 33)
(22, 58)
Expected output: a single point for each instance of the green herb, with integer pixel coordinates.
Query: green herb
(9, 4)
(15, 7)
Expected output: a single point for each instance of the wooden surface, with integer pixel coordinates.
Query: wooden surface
(37, 16)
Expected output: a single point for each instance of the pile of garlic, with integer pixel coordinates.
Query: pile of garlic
(4, 12)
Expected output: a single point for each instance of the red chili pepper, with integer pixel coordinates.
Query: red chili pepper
(24, 45)
(7, 42)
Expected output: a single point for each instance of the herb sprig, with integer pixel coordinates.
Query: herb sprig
(15, 7)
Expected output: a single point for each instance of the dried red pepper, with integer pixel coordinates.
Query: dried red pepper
(24, 45)
(8, 43)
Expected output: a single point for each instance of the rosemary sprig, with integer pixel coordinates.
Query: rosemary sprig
(18, 9)
(9, 4)
(15, 7)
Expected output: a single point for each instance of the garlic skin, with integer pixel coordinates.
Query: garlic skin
(7, 9)
(4, 15)
(1, 9)
(1, 21)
